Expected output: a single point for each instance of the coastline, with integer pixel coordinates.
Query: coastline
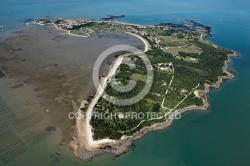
(68, 32)
(147, 45)
(83, 145)
(119, 147)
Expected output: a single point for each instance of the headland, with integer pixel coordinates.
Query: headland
(185, 68)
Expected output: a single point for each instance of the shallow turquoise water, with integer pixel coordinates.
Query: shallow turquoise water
(219, 136)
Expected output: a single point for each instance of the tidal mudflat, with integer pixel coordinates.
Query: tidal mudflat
(45, 74)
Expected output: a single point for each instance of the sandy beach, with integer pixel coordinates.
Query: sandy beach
(83, 127)
(146, 44)
(90, 144)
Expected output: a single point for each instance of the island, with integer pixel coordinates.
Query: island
(112, 17)
(184, 68)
